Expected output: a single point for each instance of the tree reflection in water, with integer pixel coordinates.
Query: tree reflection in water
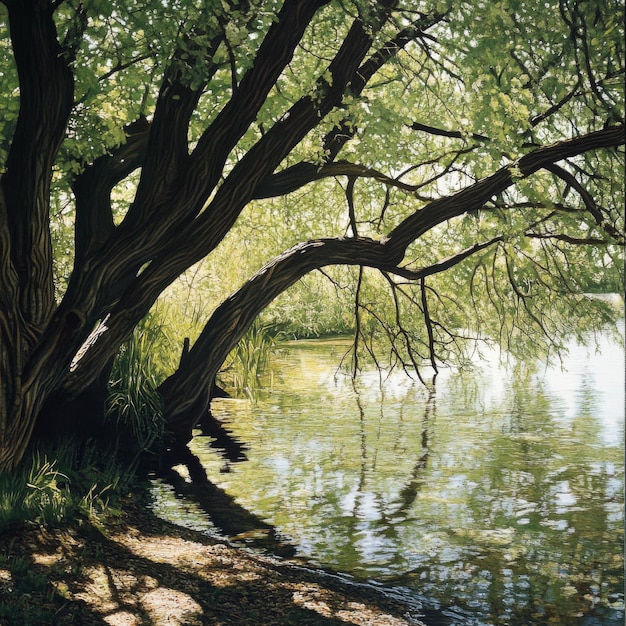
(498, 495)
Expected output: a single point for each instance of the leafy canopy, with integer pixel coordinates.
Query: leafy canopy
(465, 89)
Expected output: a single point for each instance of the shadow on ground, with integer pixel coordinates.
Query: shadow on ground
(140, 570)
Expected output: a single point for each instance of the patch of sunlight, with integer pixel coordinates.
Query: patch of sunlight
(169, 606)
(46, 559)
(62, 588)
(97, 592)
(357, 613)
(183, 472)
(311, 597)
(329, 605)
(122, 618)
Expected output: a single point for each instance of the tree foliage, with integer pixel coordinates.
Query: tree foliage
(480, 140)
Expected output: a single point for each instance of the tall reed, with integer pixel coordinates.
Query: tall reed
(139, 368)
(247, 360)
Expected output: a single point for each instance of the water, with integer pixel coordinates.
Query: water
(497, 497)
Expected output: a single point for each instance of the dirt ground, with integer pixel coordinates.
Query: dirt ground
(139, 569)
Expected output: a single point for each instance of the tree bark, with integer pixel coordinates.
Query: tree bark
(149, 251)
(46, 98)
(27, 302)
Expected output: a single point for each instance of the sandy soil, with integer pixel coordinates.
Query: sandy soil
(139, 569)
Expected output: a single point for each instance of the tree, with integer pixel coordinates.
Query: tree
(479, 144)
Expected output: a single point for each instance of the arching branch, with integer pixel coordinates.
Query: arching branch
(231, 320)
(476, 195)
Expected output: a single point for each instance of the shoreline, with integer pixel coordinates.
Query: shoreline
(140, 569)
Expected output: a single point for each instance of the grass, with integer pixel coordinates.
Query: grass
(78, 478)
(69, 482)
(26, 586)
(37, 492)
(83, 479)
(141, 365)
(249, 357)
(72, 485)
(76, 481)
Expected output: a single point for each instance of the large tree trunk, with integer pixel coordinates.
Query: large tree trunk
(186, 202)
(120, 271)
(27, 303)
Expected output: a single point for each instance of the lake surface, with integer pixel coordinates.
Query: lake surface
(495, 498)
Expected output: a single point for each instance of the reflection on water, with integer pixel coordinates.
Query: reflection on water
(498, 494)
